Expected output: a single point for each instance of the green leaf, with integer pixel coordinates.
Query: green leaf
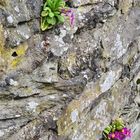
(47, 9)
(119, 123)
(113, 129)
(43, 28)
(119, 127)
(44, 24)
(51, 14)
(44, 13)
(62, 4)
(45, 5)
(60, 18)
(56, 3)
(56, 13)
(51, 21)
(106, 132)
(108, 129)
(50, 4)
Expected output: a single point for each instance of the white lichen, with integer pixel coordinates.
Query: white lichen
(32, 106)
(74, 115)
(10, 19)
(1, 133)
(13, 82)
(108, 82)
(17, 9)
(119, 49)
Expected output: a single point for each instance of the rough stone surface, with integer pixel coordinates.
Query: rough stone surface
(68, 83)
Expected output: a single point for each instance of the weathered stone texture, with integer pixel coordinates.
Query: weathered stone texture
(68, 83)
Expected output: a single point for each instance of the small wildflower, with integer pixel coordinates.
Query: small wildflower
(111, 135)
(69, 13)
(126, 132)
(72, 19)
(121, 136)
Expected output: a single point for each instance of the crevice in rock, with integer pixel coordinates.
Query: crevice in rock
(25, 97)
(22, 126)
(117, 4)
(14, 54)
(87, 4)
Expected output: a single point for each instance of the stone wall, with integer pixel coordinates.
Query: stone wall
(68, 83)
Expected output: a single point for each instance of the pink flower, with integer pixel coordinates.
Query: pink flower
(72, 19)
(120, 135)
(126, 132)
(116, 136)
(69, 13)
(111, 135)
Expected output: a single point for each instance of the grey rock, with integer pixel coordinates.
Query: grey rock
(18, 36)
(17, 12)
(136, 129)
(68, 83)
(47, 73)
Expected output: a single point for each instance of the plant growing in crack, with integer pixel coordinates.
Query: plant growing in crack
(116, 131)
(53, 13)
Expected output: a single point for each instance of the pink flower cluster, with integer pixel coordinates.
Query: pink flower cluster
(120, 135)
(69, 13)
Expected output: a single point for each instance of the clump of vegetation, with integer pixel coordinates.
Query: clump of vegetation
(116, 131)
(53, 13)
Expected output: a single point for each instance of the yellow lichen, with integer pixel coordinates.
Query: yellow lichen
(7, 61)
(2, 44)
(2, 39)
(15, 62)
(20, 51)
